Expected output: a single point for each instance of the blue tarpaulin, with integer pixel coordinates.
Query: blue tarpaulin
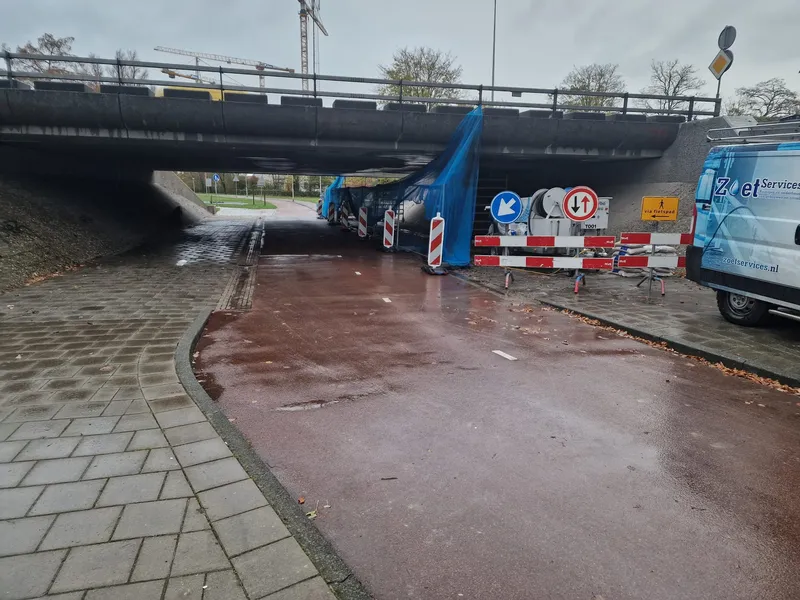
(447, 185)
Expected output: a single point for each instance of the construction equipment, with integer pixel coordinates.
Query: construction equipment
(306, 11)
(173, 74)
(231, 60)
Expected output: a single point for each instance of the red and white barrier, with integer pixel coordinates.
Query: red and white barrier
(331, 212)
(664, 239)
(544, 262)
(651, 261)
(545, 241)
(319, 207)
(436, 241)
(362, 222)
(388, 229)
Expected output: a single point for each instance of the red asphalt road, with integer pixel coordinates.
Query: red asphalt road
(592, 467)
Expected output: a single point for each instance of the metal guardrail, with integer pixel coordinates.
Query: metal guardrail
(782, 131)
(688, 104)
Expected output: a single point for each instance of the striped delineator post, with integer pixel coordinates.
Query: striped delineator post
(319, 208)
(362, 222)
(436, 241)
(331, 212)
(388, 229)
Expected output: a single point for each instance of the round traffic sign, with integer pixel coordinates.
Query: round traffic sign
(726, 37)
(216, 177)
(580, 203)
(506, 207)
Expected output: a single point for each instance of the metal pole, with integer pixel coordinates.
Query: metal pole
(494, 43)
(719, 83)
(197, 64)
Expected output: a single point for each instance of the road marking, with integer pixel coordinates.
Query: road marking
(504, 355)
(358, 272)
(387, 300)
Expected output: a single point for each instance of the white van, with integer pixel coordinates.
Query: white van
(747, 225)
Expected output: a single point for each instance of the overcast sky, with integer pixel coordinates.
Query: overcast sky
(538, 41)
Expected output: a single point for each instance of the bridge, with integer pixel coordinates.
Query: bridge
(77, 118)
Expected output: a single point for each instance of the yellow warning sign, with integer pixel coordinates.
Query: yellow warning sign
(660, 208)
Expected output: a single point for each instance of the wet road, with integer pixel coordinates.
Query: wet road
(592, 467)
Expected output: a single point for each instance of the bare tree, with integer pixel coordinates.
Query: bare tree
(671, 78)
(127, 71)
(47, 44)
(424, 65)
(770, 99)
(93, 70)
(593, 78)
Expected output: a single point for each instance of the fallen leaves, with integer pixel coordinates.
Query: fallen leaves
(733, 372)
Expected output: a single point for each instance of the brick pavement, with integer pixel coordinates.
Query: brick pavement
(113, 484)
(687, 317)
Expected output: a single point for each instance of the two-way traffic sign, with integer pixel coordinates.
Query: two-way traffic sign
(580, 203)
(506, 207)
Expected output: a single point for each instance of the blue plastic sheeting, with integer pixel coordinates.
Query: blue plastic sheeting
(447, 186)
(328, 197)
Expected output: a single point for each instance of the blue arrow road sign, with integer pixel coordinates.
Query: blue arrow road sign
(216, 177)
(506, 207)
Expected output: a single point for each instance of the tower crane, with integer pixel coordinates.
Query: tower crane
(307, 10)
(259, 65)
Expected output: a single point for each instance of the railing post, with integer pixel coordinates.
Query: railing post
(119, 72)
(555, 101)
(8, 64)
(691, 109)
(480, 95)
(221, 85)
(717, 106)
(401, 91)
(315, 95)
(625, 104)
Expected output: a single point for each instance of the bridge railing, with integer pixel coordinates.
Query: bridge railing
(228, 79)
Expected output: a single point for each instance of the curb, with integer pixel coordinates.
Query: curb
(330, 566)
(674, 344)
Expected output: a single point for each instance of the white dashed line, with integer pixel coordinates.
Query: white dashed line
(358, 272)
(387, 300)
(504, 355)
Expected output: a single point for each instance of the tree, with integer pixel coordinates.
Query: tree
(770, 99)
(423, 65)
(127, 71)
(94, 70)
(592, 78)
(671, 78)
(51, 45)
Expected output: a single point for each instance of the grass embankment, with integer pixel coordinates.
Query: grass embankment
(235, 201)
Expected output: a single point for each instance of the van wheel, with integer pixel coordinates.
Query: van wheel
(741, 310)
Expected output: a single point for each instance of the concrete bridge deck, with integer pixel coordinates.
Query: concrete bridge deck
(177, 133)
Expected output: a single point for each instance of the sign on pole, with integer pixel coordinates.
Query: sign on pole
(721, 63)
(216, 177)
(580, 203)
(726, 37)
(506, 207)
(208, 182)
(660, 208)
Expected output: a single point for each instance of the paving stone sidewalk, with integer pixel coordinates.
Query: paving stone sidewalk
(112, 482)
(686, 317)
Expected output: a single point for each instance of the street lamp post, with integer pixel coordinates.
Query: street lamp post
(494, 43)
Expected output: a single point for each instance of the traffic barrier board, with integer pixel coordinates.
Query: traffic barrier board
(388, 229)
(362, 222)
(436, 241)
